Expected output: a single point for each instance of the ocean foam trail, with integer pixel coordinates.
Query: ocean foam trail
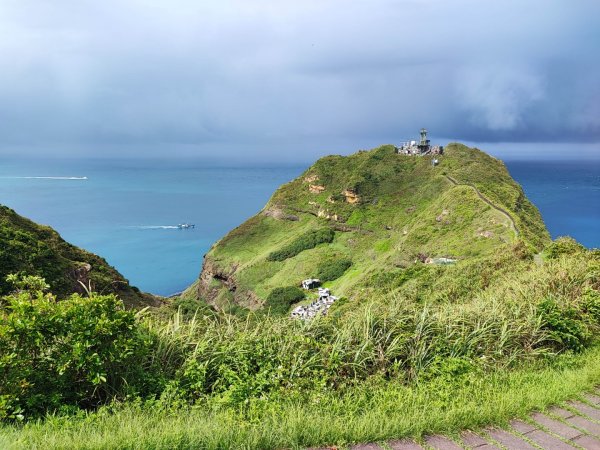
(48, 178)
(157, 227)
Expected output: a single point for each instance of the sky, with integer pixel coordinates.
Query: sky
(288, 81)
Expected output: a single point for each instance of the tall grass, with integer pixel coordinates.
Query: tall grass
(363, 414)
(393, 337)
(390, 366)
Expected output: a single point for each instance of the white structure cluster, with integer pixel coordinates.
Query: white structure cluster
(318, 307)
(421, 147)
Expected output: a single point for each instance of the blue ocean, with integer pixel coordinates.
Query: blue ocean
(128, 212)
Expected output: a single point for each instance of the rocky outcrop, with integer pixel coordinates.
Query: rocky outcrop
(81, 275)
(214, 281)
(316, 188)
(325, 214)
(279, 214)
(351, 196)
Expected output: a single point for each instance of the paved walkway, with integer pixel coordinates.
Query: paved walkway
(574, 425)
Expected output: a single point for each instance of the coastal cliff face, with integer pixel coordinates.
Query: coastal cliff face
(390, 213)
(31, 249)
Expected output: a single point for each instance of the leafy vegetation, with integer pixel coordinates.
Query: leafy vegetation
(513, 341)
(280, 299)
(330, 270)
(31, 249)
(78, 352)
(394, 411)
(305, 242)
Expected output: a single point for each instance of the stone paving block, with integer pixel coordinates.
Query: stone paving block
(508, 440)
(584, 424)
(587, 410)
(593, 399)
(404, 445)
(556, 427)
(547, 441)
(522, 427)
(366, 447)
(442, 443)
(588, 442)
(560, 412)
(473, 440)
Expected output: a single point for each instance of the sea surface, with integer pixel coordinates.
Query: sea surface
(128, 211)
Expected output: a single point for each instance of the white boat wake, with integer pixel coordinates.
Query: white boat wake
(156, 227)
(47, 178)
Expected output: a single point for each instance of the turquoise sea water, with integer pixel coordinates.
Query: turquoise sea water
(128, 212)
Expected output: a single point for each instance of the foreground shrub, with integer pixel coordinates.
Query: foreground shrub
(78, 352)
(304, 242)
(280, 299)
(332, 270)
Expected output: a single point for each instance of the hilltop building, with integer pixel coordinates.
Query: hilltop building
(420, 148)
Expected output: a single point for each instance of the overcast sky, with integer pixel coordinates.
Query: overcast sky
(292, 80)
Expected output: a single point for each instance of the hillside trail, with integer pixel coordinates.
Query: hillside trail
(572, 425)
(506, 214)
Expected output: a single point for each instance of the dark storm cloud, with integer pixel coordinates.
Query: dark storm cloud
(274, 78)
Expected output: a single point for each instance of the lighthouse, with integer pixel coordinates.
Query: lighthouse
(424, 142)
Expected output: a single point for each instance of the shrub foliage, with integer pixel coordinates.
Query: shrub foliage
(279, 300)
(304, 242)
(333, 269)
(78, 352)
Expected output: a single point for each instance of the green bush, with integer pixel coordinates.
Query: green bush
(563, 246)
(78, 352)
(305, 242)
(191, 307)
(566, 325)
(332, 270)
(280, 299)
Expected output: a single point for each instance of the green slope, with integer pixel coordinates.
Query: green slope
(388, 212)
(31, 249)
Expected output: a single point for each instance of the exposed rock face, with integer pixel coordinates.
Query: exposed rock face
(279, 214)
(311, 178)
(316, 188)
(351, 196)
(324, 214)
(442, 216)
(81, 275)
(485, 234)
(213, 279)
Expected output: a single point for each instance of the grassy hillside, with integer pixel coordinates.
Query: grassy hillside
(388, 212)
(444, 351)
(31, 249)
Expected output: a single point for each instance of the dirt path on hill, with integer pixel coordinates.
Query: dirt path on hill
(513, 225)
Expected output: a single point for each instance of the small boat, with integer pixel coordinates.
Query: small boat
(185, 226)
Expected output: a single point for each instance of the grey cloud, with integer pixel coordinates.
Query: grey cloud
(191, 77)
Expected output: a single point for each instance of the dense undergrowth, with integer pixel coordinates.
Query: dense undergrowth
(85, 351)
(374, 411)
